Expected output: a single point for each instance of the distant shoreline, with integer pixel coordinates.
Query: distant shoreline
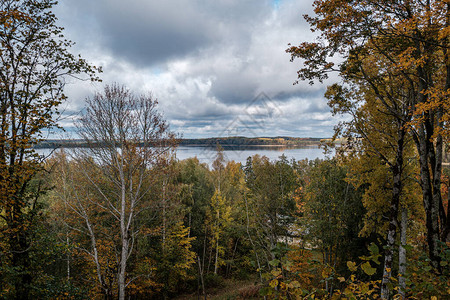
(312, 145)
(288, 142)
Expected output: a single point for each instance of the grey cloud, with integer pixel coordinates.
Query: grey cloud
(304, 91)
(151, 32)
(204, 60)
(317, 106)
(234, 89)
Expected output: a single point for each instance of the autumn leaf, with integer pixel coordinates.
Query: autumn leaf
(352, 266)
(367, 268)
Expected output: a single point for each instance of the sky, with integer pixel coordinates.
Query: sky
(218, 68)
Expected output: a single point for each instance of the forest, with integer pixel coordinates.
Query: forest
(123, 218)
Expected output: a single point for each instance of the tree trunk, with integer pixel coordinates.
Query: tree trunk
(68, 258)
(123, 266)
(200, 270)
(216, 261)
(124, 250)
(397, 170)
(164, 218)
(445, 218)
(326, 262)
(402, 254)
(251, 241)
(217, 257)
(430, 158)
(446, 232)
(430, 197)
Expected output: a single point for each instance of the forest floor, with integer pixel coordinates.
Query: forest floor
(230, 289)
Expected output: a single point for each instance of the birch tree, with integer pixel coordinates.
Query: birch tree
(125, 135)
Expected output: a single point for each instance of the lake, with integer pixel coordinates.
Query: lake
(240, 154)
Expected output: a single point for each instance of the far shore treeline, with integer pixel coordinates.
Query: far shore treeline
(205, 142)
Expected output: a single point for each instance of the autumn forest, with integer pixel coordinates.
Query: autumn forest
(123, 218)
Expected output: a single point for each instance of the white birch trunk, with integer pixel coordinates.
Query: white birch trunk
(124, 237)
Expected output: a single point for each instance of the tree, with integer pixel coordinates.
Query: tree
(270, 202)
(333, 214)
(34, 62)
(237, 246)
(218, 218)
(170, 245)
(198, 188)
(218, 213)
(125, 135)
(177, 259)
(404, 41)
(378, 135)
(74, 205)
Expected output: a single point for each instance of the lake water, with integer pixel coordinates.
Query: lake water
(240, 154)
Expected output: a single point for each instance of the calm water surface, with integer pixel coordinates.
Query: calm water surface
(240, 154)
(207, 155)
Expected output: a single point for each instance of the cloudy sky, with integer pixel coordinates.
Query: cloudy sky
(217, 68)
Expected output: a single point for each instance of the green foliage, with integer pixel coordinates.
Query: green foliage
(218, 219)
(191, 226)
(354, 287)
(421, 281)
(271, 200)
(198, 188)
(175, 260)
(325, 261)
(333, 213)
(213, 281)
(395, 88)
(282, 283)
(34, 63)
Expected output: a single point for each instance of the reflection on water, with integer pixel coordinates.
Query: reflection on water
(240, 154)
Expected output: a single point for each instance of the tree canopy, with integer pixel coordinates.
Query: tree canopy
(34, 64)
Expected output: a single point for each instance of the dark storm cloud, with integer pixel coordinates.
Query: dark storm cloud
(152, 32)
